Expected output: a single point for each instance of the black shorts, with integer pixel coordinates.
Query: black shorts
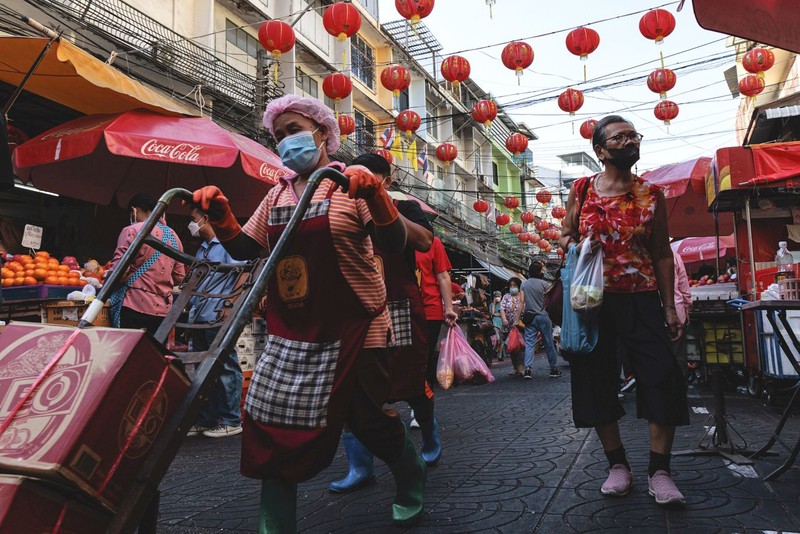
(635, 320)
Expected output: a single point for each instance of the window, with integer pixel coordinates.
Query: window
(495, 177)
(240, 38)
(365, 131)
(402, 101)
(363, 61)
(433, 119)
(306, 84)
(524, 188)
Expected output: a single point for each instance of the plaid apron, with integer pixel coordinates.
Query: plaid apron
(408, 355)
(302, 384)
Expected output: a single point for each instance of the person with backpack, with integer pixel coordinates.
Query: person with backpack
(536, 320)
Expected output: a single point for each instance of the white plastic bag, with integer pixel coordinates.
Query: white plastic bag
(586, 290)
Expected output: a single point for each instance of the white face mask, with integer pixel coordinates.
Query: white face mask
(497, 299)
(194, 229)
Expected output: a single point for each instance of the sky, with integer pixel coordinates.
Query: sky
(624, 58)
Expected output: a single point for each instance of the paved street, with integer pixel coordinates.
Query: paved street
(512, 463)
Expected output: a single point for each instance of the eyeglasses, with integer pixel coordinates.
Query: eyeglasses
(622, 137)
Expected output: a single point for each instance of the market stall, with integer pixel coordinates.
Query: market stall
(760, 185)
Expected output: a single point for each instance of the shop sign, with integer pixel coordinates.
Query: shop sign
(32, 237)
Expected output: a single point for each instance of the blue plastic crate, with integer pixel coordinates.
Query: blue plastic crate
(38, 291)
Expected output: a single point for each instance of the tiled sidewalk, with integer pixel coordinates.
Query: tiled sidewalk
(512, 463)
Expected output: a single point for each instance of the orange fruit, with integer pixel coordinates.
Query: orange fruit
(53, 262)
(7, 282)
(40, 274)
(42, 254)
(24, 260)
(74, 274)
(63, 268)
(62, 280)
(6, 273)
(28, 271)
(82, 282)
(51, 280)
(30, 281)
(15, 266)
(19, 281)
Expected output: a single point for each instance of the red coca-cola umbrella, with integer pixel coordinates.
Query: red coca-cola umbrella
(101, 157)
(694, 249)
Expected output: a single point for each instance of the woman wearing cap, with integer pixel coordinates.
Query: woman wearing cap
(319, 369)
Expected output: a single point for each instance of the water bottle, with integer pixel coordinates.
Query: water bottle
(785, 262)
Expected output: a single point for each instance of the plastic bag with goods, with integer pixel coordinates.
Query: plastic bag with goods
(586, 290)
(465, 364)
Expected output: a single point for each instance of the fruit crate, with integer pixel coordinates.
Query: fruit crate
(38, 291)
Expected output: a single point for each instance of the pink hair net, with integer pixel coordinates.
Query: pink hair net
(307, 107)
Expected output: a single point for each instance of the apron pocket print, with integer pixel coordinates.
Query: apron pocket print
(400, 312)
(292, 383)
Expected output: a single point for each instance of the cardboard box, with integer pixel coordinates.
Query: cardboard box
(69, 313)
(76, 425)
(30, 505)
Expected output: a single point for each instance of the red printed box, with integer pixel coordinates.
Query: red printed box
(29, 505)
(79, 424)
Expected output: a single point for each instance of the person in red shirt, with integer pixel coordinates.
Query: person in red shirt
(433, 273)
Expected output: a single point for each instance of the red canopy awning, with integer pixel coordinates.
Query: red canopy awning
(772, 22)
(687, 209)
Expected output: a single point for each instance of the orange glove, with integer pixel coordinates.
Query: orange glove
(364, 184)
(211, 200)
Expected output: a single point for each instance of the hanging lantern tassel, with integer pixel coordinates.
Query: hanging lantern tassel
(275, 56)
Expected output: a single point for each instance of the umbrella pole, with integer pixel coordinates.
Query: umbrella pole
(716, 235)
(753, 291)
(53, 38)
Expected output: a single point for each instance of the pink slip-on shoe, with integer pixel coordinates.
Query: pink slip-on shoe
(619, 481)
(661, 486)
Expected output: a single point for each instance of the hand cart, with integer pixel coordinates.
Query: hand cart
(139, 506)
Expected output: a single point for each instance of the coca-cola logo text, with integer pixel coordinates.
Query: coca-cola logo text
(64, 132)
(268, 171)
(178, 152)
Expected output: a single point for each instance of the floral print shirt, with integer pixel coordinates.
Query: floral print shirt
(623, 224)
(510, 305)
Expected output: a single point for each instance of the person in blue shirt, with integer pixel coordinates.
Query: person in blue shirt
(221, 415)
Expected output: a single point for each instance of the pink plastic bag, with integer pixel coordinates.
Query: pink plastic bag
(464, 363)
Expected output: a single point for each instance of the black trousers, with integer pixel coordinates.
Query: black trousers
(433, 350)
(129, 318)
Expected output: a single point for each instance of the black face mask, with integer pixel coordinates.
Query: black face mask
(624, 158)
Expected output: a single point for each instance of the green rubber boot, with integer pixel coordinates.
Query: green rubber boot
(278, 510)
(409, 474)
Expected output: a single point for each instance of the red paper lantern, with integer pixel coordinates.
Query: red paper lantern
(446, 152)
(542, 225)
(396, 79)
(543, 196)
(408, 122)
(758, 60)
(484, 111)
(535, 238)
(276, 37)
(385, 154)
(558, 212)
(545, 246)
(481, 206)
(515, 228)
(511, 202)
(657, 24)
(502, 219)
(524, 237)
(666, 110)
(342, 20)
(751, 85)
(660, 81)
(587, 128)
(516, 143)
(570, 100)
(527, 217)
(582, 42)
(455, 69)
(337, 86)
(347, 125)
(414, 10)
(517, 56)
